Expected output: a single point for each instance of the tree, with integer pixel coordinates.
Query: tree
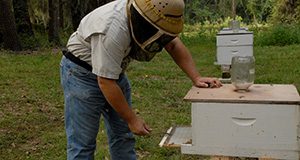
(286, 11)
(1, 30)
(39, 15)
(53, 32)
(198, 11)
(22, 17)
(62, 3)
(80, 8)
(202, 10)
(23, 24)
(9, 30)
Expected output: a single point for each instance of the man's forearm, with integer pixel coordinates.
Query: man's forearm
(116, 98)
(183, 58)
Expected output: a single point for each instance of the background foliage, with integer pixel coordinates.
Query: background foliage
(265, 17)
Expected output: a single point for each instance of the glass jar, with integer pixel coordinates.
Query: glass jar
(234, 25)
(242, 72)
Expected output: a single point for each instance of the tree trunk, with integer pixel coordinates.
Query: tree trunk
(61, 13)
(22, 17)
(76, 13)
(233, 9)
(1, 30)
(80, 8)
(9, 29)
(53, 32)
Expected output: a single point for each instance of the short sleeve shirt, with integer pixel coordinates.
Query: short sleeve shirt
(103, 39)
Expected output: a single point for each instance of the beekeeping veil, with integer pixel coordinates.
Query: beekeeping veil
(153, 24)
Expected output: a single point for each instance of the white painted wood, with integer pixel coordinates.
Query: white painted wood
(245, 130)
(235, 40)
(225, 53)
(233, 44)
(240, 152)
(164, 139)
(228, 31)
(261, 126)
(176, 136)
(263, 122)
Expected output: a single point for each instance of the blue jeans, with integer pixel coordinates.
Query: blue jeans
(84, 104)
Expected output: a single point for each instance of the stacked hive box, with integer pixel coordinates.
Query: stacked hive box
(230, 44)
(263, 122)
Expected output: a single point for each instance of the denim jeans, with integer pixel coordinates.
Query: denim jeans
(84, 104)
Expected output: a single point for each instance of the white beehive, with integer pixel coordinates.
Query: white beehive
(231, 44)
(263, 122)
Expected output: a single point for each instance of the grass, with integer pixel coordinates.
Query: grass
(31, 100)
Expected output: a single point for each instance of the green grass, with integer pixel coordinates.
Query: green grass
(31, 100)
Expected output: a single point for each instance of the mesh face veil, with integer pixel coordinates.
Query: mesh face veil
(154, 23)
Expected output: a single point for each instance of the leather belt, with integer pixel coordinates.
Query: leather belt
(76, 60)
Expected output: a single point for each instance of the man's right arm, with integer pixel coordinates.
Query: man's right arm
(117, 100)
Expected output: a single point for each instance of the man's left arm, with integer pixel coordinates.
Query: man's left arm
(184, 60)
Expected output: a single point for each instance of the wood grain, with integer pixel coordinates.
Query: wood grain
(258, 93)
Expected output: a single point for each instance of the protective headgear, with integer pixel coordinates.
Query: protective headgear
(154, 23)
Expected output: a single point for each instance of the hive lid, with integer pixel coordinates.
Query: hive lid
(228, 31)
(258, 93)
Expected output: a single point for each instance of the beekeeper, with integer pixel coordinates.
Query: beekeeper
(93, 71)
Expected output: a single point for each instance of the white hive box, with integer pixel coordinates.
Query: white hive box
(263, 122)
(231, 44)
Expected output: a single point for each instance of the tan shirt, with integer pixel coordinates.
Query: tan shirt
(103, 39)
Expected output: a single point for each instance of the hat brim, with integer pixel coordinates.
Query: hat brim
(172, 25)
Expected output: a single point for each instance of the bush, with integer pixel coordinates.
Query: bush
(203, 32)
(279, 35)
(264, 34)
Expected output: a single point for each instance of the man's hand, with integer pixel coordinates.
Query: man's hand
(139, 127)
(183, 59)
(207, 82)
(117, 100)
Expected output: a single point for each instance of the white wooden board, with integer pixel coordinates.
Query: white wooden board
(245, 130)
